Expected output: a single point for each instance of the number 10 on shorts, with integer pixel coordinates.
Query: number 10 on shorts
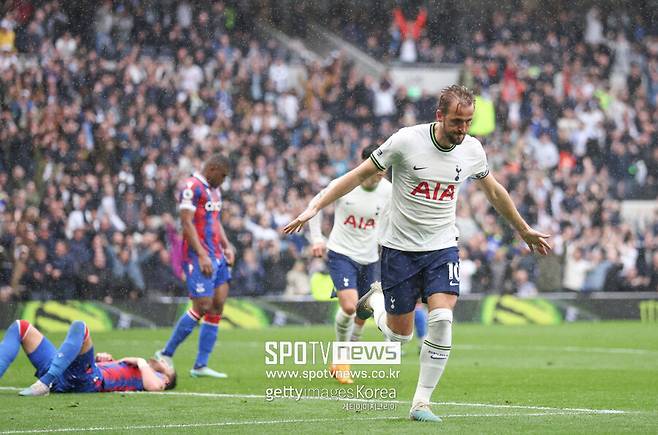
(453, 274)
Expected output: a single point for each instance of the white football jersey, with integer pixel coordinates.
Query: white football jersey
(359, 217)
(426, 181)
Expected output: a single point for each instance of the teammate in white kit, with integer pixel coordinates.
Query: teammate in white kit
(353, 256)
(419, 255)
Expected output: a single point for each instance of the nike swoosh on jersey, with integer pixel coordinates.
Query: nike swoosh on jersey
(418, 169)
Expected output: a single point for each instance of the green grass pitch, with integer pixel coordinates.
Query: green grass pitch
(573, 378)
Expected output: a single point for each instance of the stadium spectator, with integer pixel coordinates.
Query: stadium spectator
(653, 276)
(159, 275)
(96, 278)
(298, 281)
(575, 269)
(127, 278)
(524, 287)
(62, 274)
(249, 275)
(595, 277)
(7, 36)
(276, 264)
(410, 32)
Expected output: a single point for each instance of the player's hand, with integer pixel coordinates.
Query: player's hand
(103, 357)
(318, 249)
(536, 241)
(132, 361)
(300, 220)
(229, 253)
(205, 264)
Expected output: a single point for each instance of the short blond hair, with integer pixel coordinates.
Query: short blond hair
(458, 93)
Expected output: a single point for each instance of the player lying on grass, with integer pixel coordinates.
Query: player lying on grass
(73, 368)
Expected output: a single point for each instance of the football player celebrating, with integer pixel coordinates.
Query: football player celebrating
(420, 257)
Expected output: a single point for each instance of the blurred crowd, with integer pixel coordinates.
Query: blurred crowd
(106, 106)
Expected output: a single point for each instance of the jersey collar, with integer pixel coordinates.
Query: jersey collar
(436, 142)
(201, 178)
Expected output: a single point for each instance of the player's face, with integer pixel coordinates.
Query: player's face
(162, 368)
(371, 182)
(215, 175)
(456, 121)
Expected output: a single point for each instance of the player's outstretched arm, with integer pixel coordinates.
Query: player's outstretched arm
(500, 199)
(318, 245)
(336, 189)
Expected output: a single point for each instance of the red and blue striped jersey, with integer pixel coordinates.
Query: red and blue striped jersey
(206, 203)
(118, 376)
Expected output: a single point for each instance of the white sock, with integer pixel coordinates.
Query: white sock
(357, 330)
(343, 325)
(378, 309)
(434, 353)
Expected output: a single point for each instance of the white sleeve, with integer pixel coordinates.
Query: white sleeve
(387, 153)
(481, 167)
(189, 198)
(385, 216)
(384, 222)
(315, 226)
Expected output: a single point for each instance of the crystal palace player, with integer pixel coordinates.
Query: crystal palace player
(353, 256)
(420, 255)
(207, 255)
(73, 369)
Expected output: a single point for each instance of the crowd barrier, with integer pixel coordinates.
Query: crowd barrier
(258, 313)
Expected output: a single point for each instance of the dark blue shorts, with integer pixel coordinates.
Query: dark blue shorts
(347, 273)
(407, 276)
(82, 376)
(203, 286)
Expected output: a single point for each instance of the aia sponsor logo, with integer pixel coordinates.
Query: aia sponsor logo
(361, 223)
(436, 194)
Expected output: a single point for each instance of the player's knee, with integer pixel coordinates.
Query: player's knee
(78, 326)
(438, 315)
(439, 327)
(349, 309)
(23, 328)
